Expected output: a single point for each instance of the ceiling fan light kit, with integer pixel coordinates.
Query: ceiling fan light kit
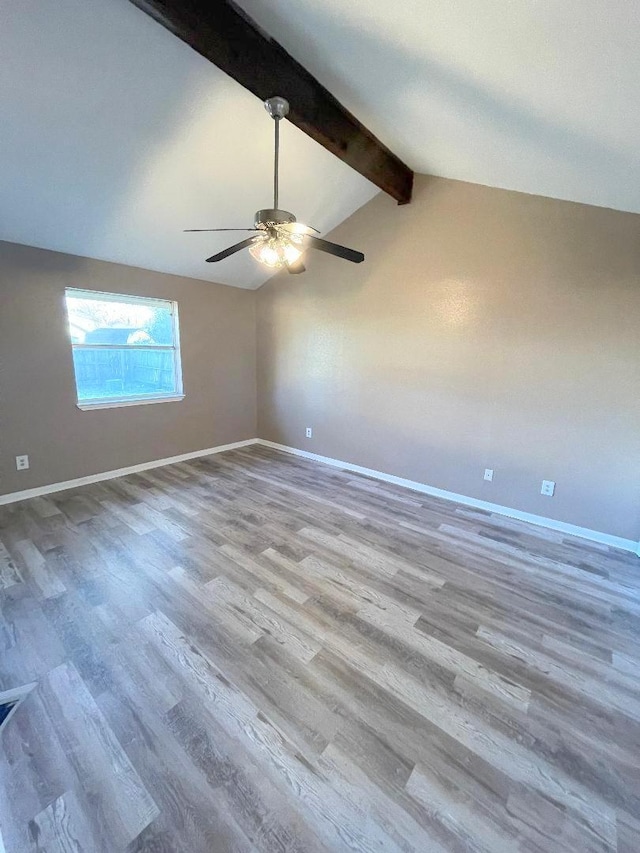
(279, 239)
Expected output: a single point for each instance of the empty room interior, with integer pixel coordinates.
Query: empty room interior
(319, 426)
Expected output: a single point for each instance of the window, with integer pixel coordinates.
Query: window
(125, 348)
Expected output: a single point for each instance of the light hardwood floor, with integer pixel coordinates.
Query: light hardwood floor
(252, 652)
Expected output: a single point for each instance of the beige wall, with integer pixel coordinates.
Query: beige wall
(38, 412)
(486, 328)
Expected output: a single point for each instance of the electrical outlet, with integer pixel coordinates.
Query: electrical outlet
(309, 432)
(548, 488)
(488, 474)
(22, 463)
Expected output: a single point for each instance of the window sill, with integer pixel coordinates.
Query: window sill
(118, 404)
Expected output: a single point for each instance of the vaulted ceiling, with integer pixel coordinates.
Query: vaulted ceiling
(542, 97)
(116, 135)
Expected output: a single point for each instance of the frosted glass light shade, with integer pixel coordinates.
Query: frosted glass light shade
(275, 252)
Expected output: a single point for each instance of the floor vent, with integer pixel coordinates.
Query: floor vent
(9, 701)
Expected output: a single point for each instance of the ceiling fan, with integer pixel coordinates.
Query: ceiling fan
(279, 240)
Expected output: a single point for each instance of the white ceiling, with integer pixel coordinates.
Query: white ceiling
(115, 136)
(541, 96)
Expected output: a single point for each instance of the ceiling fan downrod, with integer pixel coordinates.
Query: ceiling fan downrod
(277, 108)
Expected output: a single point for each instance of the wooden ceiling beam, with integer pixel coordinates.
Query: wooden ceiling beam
(225, 35)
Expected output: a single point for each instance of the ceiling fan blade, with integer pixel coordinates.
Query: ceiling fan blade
(192, 230)
(296, 267)
(297, 228)
(231, 250)
(334, 249)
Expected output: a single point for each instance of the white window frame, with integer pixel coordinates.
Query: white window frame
(117, 402)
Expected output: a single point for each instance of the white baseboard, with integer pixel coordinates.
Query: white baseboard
(119, 472)
(539, 520)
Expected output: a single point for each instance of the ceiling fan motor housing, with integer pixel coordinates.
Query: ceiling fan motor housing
(272, 216)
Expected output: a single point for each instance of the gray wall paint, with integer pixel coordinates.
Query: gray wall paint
(38, 412)
(486, 328)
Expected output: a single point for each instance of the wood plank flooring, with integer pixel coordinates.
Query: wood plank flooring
(253, 652)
